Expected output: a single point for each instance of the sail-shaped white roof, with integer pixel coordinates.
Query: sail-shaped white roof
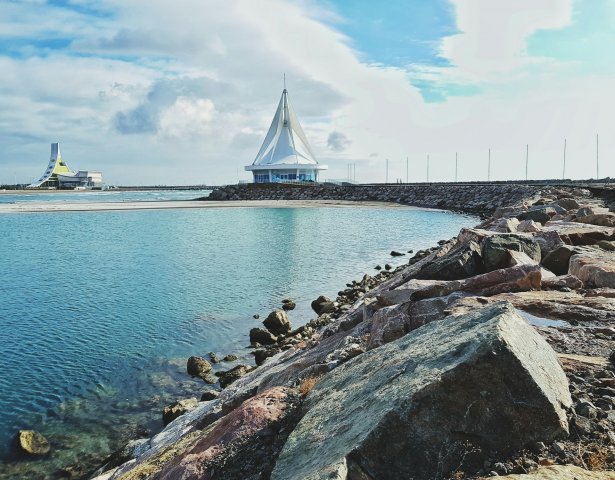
(285, 142)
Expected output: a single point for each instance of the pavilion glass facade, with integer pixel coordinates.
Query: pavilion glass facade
(275, 176)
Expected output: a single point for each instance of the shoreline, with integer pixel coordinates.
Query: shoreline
(365, 317)
(52, 207)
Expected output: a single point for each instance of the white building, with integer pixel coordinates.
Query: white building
(285, 154)
(59, 175)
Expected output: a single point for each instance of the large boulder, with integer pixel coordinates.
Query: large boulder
(322, 305)
(33, 443)
(594, 270)
(461, 262)
(495, 250)
(529, 226)
(558, 260)
(277, 322)
(485, 381)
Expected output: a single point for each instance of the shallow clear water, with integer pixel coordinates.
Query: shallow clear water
(99, 310)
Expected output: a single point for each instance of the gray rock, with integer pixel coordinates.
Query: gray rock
(529, 226)
(463, 261)
(585, 211)
(540, 214)
(568, 203)
(412, 407)
(594, 269)
(323, 305)
(495, 249)
(277, 322)
(395, 253)
(178, 408)
(262, 336)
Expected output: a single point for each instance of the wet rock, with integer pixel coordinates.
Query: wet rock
(256, 316)
(495, 250)
(277, 322)
(213, 358)
(395, 253)
(230, 358)
(323, 305)
(32, 443)
(378, 267)
(198, 367)
(485, 380)
(387, 267)
(209, 395)
(288, 305)
(262, 336)
(594, 270)
(461, 262)
(228, 377)
(178, 408)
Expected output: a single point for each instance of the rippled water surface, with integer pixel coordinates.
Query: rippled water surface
(99, 310)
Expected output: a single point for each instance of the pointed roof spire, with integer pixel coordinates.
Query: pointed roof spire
(285, 142)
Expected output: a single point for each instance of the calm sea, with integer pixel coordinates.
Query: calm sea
(99, 310)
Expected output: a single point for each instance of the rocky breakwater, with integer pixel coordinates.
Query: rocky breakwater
(482, 199)
(475, 359)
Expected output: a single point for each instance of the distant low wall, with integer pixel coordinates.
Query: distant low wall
(482, 199)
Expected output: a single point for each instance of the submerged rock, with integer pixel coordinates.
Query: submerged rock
(485, 381)
(178, 408)
(32, 443)
(277, 322)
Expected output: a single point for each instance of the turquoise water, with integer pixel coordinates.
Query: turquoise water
(99, 310)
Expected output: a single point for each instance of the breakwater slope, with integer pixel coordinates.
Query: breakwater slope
(481, 199)
(492, 353)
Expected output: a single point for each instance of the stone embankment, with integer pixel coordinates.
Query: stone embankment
(490, 354)
(481, 199)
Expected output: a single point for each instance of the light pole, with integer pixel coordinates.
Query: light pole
(527, 157)
(489, 167)
(456, 165)
(564, 171)
(407, 175)
(428, 168)
(387, 172)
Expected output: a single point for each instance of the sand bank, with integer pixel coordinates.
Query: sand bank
(50, 206)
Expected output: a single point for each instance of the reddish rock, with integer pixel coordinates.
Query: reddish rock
(594, 270)
(241, 441)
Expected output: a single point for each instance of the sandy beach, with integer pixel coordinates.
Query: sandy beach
(48, 206)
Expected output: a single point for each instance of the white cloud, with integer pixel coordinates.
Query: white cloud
(188, 88)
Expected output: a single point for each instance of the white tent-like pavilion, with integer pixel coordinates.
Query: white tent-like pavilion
(285, 154)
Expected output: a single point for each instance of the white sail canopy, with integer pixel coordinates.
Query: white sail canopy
(285, 143)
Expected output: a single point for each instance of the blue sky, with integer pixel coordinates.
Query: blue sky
(151, 91)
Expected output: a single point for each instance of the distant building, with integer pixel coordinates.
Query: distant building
(59, 175)
(285, 155)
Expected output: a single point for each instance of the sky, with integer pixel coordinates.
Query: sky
(154, 92)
